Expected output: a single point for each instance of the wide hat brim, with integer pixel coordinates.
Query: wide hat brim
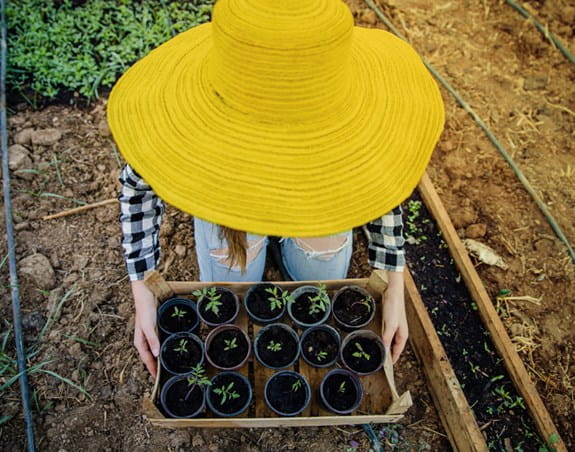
(296, 179)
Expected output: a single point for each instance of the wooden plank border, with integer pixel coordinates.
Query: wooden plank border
(491, 320)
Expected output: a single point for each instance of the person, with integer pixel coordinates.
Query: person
(275, 119)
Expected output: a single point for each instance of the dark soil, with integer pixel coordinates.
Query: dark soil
(181, 362)
(498, 408)
(232, 357)
(172, 323)
(338, 397)
(231, 405)
(282, 395)
(318, 341)
(362, 364)
(350, 308)
(227, 310)
(258, 303)
(281, 358)
(301, 306)
(181, 401)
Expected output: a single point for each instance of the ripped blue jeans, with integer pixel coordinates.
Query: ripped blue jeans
(305, 259)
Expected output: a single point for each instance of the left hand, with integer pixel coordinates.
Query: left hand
(394, 327)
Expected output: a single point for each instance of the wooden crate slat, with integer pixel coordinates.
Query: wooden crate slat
(491, 320)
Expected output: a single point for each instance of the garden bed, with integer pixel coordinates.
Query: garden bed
(381, 404)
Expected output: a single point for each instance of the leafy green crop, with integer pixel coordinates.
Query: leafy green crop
(54, 46)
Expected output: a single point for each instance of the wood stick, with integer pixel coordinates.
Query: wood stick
(66, 213)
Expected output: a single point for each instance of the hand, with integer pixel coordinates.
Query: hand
(394, 326)
(145, 337)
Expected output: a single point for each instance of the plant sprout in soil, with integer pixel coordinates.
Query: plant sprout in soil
(197, 378)
(214, 302)
(278, 301)
(320, 302)
(360, 353)
(182, 346)
(274, 346)
(230, 344)
(179, 313)
(226, 393)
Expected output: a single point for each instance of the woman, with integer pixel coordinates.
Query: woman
(279, 119)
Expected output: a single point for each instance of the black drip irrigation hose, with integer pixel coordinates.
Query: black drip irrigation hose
(543, 30)
(542, 207)
(21, 354)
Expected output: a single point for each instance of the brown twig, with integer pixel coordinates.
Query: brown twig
(65, 213)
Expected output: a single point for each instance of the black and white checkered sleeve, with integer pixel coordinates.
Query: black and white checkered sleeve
(386, 241)
(140, 216)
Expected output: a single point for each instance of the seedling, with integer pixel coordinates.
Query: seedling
(197, 378)
(366, 301)
(274, 346)
(341, 388)
(230, 344)
(226, 393)
(277, 301)
(321, 356)
(296, 386)
(320, 302)
(211, 294)
(182, 346)
(179, 313)
(360, 353)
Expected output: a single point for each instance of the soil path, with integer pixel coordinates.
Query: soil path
(72, 272)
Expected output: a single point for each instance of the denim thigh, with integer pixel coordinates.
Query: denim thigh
(212, 254)
(306, 263)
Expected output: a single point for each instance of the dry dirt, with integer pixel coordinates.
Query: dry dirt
(509, 73)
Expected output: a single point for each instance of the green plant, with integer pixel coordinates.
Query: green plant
(230, 344)
(226, 393)
(182, 346)
(277, 301)
(296, 385)
(320, 301)
(213, 298)
(197, 377)
(274, 346)
(360, 353)
(366, 301)
(179, 313)
(321, 356)
(341, 388)
(62, 46)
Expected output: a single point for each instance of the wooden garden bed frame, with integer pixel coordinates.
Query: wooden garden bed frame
(451, 403)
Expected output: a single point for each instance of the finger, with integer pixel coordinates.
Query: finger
(153, 342)
(388, 334)
(143, 350)
(398, 347)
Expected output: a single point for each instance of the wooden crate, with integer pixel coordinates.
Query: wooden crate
(381, 404)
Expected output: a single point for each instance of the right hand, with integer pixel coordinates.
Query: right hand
(145, 337)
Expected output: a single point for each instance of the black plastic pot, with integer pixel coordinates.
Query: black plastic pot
(320, 345)
(227, 311)
(277, 357)
(177, 315)
(287, 393)
(181, 352)
(340, 391)
(229, 394)
(228, 347)
(353, 307)
(258, 305)
(362, 352)
(179, 399)
(299, 309)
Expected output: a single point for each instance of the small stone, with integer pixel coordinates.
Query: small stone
(369, 17)
(103, 128)
(180, 250)
(463, 216)
(535, 82)
(18, 160)
(38, 268)
(46, 137)
(24, 136)
(476, 231)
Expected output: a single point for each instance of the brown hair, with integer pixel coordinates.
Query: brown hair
(237, 246)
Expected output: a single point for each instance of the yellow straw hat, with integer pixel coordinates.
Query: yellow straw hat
(279, 117)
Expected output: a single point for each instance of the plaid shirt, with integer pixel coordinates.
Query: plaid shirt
(141, 215)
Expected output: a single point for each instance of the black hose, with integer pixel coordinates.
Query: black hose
(21, 355)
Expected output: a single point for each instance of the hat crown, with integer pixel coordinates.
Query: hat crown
(281, 60)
